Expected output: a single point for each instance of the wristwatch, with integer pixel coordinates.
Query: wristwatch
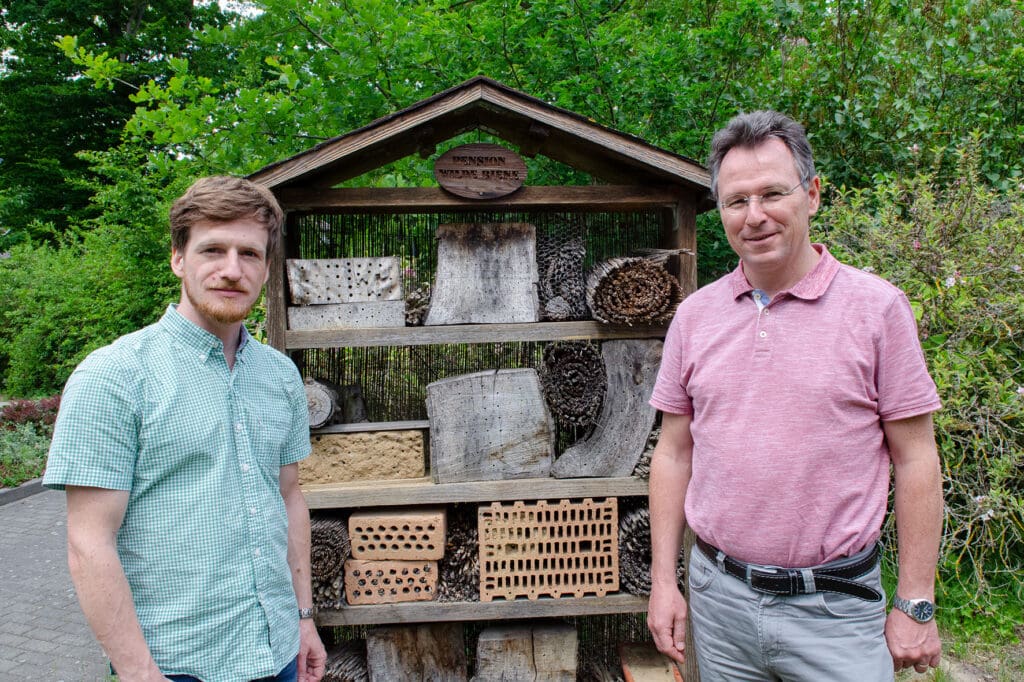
(307, 613)
(921, 610)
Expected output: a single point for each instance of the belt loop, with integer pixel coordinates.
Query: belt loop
(808, 576)
(720, 560)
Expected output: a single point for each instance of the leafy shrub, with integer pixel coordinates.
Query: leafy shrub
(956, 250)
(22, 453)
(43, 412)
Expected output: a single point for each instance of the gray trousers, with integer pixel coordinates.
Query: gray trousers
(741, 634)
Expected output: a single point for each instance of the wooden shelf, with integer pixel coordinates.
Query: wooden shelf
(430, 611)
(423, 491)
(467, 333)
(366, 427)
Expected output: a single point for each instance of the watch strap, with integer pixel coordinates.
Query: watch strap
(307, 613)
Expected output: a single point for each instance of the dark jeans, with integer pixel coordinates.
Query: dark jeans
(289, 674)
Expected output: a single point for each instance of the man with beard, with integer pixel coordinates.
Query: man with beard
(188, 536)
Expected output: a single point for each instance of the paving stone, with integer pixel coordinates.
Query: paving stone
(43, 633)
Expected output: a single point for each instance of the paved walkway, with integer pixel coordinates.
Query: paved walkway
(43, 634)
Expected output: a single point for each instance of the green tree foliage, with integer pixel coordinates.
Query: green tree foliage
(50, 113)
(957, 250)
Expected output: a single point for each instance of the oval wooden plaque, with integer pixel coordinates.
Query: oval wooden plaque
(480, 171)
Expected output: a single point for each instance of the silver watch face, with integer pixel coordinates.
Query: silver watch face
(922, 610)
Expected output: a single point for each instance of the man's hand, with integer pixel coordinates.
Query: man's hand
(666, 619)
(912, 644)
(312, 655)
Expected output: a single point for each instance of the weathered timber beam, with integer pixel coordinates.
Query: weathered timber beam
(403, 199)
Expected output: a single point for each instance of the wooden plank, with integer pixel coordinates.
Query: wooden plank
(486, 273)
(684, 236)
(470, 333)
(618, 440)
(275, 294)
(490, 425)
(372, 426)
(589, 198)
(424, 491)
(425, 612)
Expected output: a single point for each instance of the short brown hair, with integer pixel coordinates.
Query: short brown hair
(751, 130)
(223, 198)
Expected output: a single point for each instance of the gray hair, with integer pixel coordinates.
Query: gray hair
(750, 130)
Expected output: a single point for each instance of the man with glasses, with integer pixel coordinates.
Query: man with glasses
(788, 388)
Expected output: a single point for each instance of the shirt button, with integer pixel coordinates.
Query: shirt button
(252, 510)
(256, 552)
(245, 467)
(238, 426)
(763, 334)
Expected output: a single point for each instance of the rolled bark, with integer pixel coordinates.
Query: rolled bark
(632, 291)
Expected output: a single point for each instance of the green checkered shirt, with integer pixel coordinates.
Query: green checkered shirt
(199, 447)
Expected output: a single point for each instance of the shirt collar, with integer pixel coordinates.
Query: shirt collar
(810, 287)
(195, 337)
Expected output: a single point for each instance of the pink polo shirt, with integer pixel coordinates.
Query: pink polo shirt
(790, 464)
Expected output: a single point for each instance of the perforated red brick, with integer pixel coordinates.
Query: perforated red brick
(407, 534)
(388, 582)
(535, 549)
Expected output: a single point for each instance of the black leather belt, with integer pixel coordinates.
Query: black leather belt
(793, 581)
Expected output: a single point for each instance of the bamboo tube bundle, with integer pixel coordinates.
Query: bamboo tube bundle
(574, 382)
(562, 291)
(346, 662)
(329, 547)
(458, 576)
(643, 467)
(632, 291)
(635, 552)
(329, 595)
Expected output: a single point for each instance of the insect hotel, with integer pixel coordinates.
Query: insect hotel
(479, 345)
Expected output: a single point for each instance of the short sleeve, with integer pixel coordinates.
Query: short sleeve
(669, 394)
(297, 445)
(96, 435)
(905, 389)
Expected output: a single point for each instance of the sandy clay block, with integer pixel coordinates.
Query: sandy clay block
(379, 455)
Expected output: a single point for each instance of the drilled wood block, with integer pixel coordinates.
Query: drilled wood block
(344, 280)
(413, 534)
(389, 582)
(535, 549)
(369, 456)
(366, 315)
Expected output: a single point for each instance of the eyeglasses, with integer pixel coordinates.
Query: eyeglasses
(738, 204)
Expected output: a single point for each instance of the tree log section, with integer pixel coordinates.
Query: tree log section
(486, 273)
(488, 426)
(618, 439)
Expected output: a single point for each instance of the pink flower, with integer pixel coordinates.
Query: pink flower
(916, 244)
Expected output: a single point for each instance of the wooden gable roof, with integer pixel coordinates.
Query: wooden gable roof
(534, 126)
